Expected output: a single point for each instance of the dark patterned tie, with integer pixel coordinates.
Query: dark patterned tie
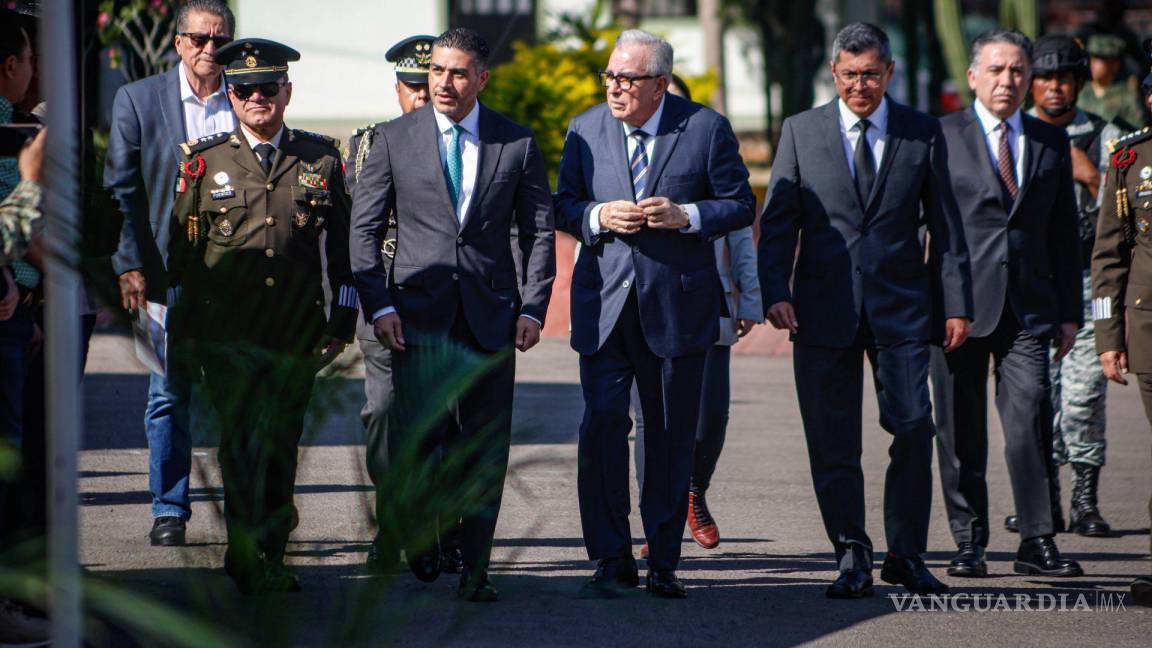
(639, 165)
(265, 152)
(865, 163)
(1007, 166)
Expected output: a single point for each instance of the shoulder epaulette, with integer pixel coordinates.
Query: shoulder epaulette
(1130, 139)
(201, 143)
(364, 129)
(317, 137)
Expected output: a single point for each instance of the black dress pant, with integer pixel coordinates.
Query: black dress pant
(448, 444)
(669, 391)
(960, 388)
(261, 397)
(829, 383)
(1144, 382)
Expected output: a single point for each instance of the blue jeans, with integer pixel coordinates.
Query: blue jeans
(169, 446)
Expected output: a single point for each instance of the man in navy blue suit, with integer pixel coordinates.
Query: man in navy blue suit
(853, 181)
(647, 181)
(151, 118)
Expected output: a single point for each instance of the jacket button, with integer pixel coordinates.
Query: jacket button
(857, 270)
(269, 282)
(1003, 264)
(223, 210)
(1137, 301)
(269, 186)
(270, 220)
(455, 277)
(626, 283)
(635, 249)
(459, 240)
(269, 253)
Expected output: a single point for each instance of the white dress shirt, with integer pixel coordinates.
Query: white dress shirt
(469, 152)
(991, 125)
(650, 127)
(203, 117)
(877, 133)
(254, 140)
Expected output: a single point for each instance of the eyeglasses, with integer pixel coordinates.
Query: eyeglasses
(200, 40)
(245, 90)
(870, 79)
(625, 82)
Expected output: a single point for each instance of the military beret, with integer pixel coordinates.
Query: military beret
(255, 60)
(1105, 46)
(412, 56)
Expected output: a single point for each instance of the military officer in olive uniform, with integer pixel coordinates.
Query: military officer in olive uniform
(1122, 278)
(250, 209)
(411, 57)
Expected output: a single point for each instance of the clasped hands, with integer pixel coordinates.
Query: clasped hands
(624, 217)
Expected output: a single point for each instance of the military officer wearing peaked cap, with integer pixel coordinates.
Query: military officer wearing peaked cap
(250, 208)
(411, 57)
(1122, 277)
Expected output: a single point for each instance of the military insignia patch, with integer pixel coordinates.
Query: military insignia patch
(221, 178)
(223, 193)
(311, 177)
(1142, 225)
(301, 219)
(225, 228)
(250, 61)
(1146, 173)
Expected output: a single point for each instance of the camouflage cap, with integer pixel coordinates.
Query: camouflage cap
(1105, 46)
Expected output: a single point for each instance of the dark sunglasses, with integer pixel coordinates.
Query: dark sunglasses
(245, 90)
(200, 40)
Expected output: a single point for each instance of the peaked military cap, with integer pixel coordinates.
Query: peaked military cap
(412, 56)
(255, 60)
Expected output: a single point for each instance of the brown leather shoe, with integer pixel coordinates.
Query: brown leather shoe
(700, 522)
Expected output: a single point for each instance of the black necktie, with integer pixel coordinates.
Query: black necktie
(265, 152)
(865, 163)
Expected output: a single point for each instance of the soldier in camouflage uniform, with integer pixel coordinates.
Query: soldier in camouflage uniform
(20, 211)
(1122, 279)
(246, 250)
(1108, 95)
(411, 57)
(1060, 70)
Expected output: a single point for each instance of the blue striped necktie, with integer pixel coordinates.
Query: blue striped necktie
(639, 165)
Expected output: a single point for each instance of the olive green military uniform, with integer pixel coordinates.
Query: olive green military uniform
(246, 253)
(1119, 100)
(1122, 261)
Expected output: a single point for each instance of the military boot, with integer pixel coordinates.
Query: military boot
(1085, 517)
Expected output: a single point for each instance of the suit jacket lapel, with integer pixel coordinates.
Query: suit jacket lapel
(976, 144)
(489, 159)
(667, 134)
(1032, 150)
(616, 155)
(834, 148)
(286, 156)
(891, 146)
(243, 156)
(424, 135)
(172, 112)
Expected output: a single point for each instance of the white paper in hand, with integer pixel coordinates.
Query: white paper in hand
(151, 337)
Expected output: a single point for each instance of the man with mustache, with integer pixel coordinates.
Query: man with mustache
(1012, 179)
(1059, 73)
(250, 209)
(150, 119)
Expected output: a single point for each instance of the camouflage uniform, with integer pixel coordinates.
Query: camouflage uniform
(19, 220)
(1078, 385)
(1119, 100)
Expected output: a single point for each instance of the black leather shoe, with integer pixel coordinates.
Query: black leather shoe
(167, 531)
(910, 572)
(664, 583)
(850, 584)
(969, 562)
(279, 578)
(613, 577)
(1040, 556)
(475, 587)
(1011, 524)
(1142, 591)
(452, 560)
(425, 565)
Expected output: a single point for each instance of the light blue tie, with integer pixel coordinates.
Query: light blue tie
(639, 165)
(454, 166)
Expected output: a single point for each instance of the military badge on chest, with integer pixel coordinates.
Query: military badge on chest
(311, 178)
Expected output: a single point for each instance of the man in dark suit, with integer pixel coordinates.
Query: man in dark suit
(647, 181)
(854, 180)
(1012, 178)
(457, 175)
(150, 119)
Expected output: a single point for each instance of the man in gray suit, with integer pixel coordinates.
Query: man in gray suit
(151, 118)
(1012, 178)
(853, 181)
(451, 306)
(647, 181)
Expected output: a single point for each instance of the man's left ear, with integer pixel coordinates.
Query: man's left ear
(484, 80)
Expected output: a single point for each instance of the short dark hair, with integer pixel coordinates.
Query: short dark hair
(465, 39)
(13, 39)
(215, 7)
(861, 37)
(1011, 37)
